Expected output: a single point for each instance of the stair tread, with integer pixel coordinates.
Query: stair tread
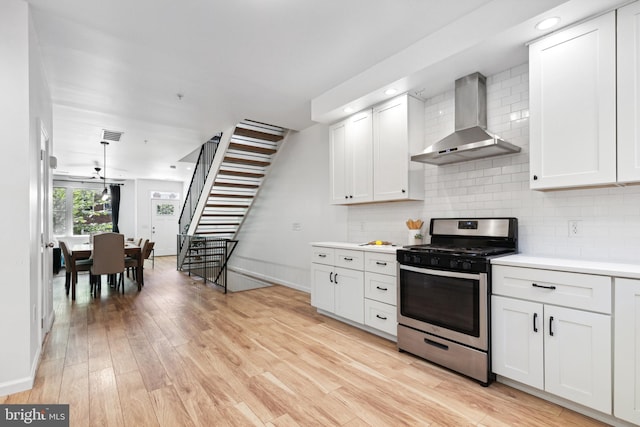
(243, 174)
(257, 134)
(246, 161)
(235, 185)
(251, 148)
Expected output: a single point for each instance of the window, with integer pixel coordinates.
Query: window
(80, 209)
(59, 211)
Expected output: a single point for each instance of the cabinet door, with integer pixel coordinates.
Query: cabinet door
(517, 340)
(578, 356)
(360, 157)
(338, 162)
(629, 93)
(349, 299)
(573, 106)
(391, 150)
(322, 287)
(626, 401)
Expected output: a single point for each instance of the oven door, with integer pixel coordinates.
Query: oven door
(447, 304)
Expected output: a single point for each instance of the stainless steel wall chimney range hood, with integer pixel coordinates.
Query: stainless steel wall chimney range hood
(471, 140)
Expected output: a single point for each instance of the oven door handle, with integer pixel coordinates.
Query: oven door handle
(444, 273)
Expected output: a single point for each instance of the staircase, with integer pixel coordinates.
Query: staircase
(231, 184)
(238, 179)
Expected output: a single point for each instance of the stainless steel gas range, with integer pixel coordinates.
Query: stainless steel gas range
(444, 292)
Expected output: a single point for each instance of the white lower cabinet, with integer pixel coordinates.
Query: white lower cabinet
(627, 350)
(356, 285)
(336, 289)
(561, 350)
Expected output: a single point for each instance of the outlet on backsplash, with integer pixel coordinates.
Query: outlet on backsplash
(575, 228)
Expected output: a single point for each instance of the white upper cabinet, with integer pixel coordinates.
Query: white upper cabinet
(397, 132)
(351, 159)
(370, 153)
(629, 93)
(573, 106)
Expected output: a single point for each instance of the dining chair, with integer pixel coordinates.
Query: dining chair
(72, 268)
(108, 258)
(133, 263)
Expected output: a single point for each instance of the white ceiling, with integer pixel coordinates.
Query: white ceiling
(120, 65)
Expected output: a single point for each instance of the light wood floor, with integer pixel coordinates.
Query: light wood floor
(180, 353)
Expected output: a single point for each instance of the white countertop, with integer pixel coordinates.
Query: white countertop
(359, 246)
(631, 271)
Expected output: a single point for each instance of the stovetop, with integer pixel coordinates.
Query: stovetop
(463, 244)
(460, 251)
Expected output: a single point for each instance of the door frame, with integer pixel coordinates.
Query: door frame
(45, 312)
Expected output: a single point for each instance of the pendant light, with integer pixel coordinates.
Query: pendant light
(105, 193)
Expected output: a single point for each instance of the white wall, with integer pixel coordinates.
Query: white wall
(25, 100)
(296, 192)
(499, 186)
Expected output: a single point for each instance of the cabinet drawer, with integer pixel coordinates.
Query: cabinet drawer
(349, 259)
(380, 316)
(575, 290)
(380, 263)
(380, 287)
(321, 255)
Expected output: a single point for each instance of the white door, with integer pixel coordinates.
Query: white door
(629, 93)
(626, 403)
(349, 301)
(164, 226)
(517, 340)
(572, 80)
(390, 145)
(577, 349)
(337, 163)
(322, 287)
(360, 157)
(46, 253)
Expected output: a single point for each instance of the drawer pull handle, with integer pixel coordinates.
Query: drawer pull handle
(382, 289)
(550, 325)
(335, 278)
(331, 277)
(535, 285)
(322, 255)
(381, 317)
(348, 259)
(381, 263)
(436, 344)
(535, 322)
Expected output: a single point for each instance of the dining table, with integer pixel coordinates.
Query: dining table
(83, 251)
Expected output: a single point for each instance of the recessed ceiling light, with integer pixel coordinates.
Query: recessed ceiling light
(547, 23)
(348, 110)
(391, 91)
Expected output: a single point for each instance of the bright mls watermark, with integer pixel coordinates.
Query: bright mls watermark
(34, 415)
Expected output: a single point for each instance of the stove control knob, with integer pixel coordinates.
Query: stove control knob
(466, 265)
(416, 259)
(435, 261)
(453, 263)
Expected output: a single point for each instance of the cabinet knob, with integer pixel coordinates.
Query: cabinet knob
(535, 177)
(346, 197)
(351, 197)
(404, 191)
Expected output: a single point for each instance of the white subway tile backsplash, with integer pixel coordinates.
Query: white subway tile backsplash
(499, 186)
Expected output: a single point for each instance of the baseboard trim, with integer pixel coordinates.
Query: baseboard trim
(22, 384)
(268, 280)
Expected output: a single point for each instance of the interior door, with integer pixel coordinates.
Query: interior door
(164, 225)
(46, 245)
